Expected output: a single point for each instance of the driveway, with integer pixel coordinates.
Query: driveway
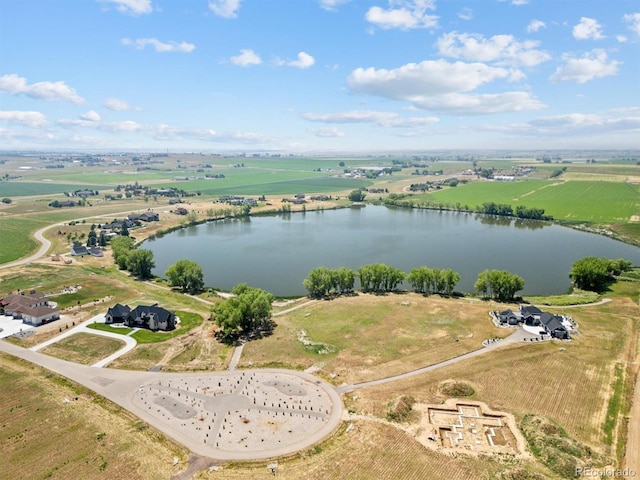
(241, 415)
(130, 343)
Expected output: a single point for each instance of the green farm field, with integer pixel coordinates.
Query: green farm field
(570, 201)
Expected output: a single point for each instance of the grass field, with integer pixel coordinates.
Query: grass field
(23, 189)
(572, 201)
(570, 383)
(17, 228)
(84, 348)
(45, 438)
(365, 337)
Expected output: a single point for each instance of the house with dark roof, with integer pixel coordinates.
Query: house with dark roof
(151, 317)
(117, 314)
(144, 217)
(553, 326)
(531, 316)
(78, 250)
(508, 317)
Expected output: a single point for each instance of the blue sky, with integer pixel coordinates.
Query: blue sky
(304, 76)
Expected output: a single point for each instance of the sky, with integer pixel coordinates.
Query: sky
(323, 76)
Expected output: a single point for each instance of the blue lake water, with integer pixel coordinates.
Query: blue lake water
(277, 252)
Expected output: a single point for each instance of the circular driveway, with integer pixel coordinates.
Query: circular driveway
(231, 415)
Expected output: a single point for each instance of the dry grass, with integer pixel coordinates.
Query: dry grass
(196, 351)
(84, 348)
(43, 437)
(569, 383)
(371, 450)
(371, 336)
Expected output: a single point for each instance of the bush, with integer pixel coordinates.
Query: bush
(457, 389)
(401, 410)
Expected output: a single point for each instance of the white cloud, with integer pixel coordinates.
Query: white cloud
(225, 8)
(583, 124)
(440, 86)
(409, 14)
(118, 105)
(27, 118)
(535, 25)
(383, 119)
(410, 122)
(428, 78)
(327, 132)
(594, 64)
(90, 116)
(162, 47)
(134, 7)
(331, 5)
(588, 29)
(483, 104)
(502, 49)
(465, 14)
(622, 38)
(42, 90)
(633, 19)
(120, 127)
(304, 61)
(247, 57)
(355, 116)
(519, 2)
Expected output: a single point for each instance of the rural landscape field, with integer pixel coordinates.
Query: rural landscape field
(571, 401)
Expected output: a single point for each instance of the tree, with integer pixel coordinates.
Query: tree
(247, 313)
(6, 200)
(319, 282)
(121, 247)
(187, 275)
(357, 196)
(140, 263)
(595, 274)
(345, 280)
(498, 284)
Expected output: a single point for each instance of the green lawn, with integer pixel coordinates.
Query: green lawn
(188, 321)
(108, 328)
(15, 237)
(572, 201)
(269, 182)
(21, 189)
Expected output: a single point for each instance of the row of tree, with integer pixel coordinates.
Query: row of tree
(506, 210)
(380, 278)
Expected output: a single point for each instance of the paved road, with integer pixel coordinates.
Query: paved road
(42, 251)
(137, 391)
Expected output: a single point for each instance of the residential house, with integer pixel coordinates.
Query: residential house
(553, 325)
(151, 317)
(32, 308)
(117, 314)
(144, 217)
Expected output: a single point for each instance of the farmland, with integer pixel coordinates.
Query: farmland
(569, 201)
(582, 386)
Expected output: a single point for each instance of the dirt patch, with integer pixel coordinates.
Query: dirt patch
(467, 427)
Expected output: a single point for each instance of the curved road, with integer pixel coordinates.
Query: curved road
(42, 251)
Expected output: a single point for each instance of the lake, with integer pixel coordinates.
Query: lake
(276, 253)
